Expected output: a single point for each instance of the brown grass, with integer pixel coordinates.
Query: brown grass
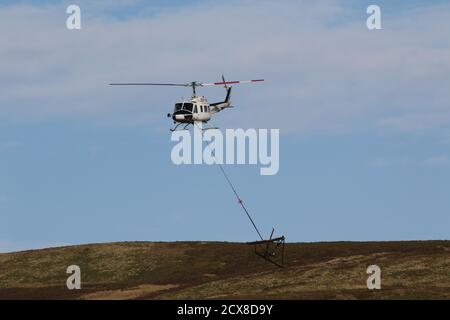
(213, 270)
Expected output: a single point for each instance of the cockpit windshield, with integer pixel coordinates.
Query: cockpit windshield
(187, 106)
(184, 106)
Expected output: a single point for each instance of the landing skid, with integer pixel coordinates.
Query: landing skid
(271, 250)
(188, 124)
(176, 127)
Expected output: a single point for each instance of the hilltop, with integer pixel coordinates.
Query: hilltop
(218, 270)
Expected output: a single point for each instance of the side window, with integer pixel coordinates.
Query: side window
(195, 108)
(203, 110)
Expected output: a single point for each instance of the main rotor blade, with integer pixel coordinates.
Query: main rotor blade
(152, 84)
(230, 82)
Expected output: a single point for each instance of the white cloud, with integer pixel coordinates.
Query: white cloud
(417, 121)
(9, 144)
(437, 161)
(387, 162)
(320, 78)
(378, 163)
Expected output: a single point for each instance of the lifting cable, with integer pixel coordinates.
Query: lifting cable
(234, 190)
(239, 198)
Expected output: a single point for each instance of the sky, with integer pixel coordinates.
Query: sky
(364, 119)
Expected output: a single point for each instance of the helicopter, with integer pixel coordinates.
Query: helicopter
(196, 108)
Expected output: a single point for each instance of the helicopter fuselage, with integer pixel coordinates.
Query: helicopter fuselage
(195, 109)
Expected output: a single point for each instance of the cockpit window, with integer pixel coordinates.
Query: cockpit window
(187, 106)
(184, 106)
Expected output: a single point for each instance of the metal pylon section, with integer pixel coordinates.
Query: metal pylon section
(271, 250)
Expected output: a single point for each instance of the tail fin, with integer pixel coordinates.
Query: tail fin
(228, 89)
(227, 98)
(218, 106)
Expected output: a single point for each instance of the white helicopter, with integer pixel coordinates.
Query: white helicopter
(197, 107)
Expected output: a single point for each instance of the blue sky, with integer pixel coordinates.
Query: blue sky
(364, 118)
